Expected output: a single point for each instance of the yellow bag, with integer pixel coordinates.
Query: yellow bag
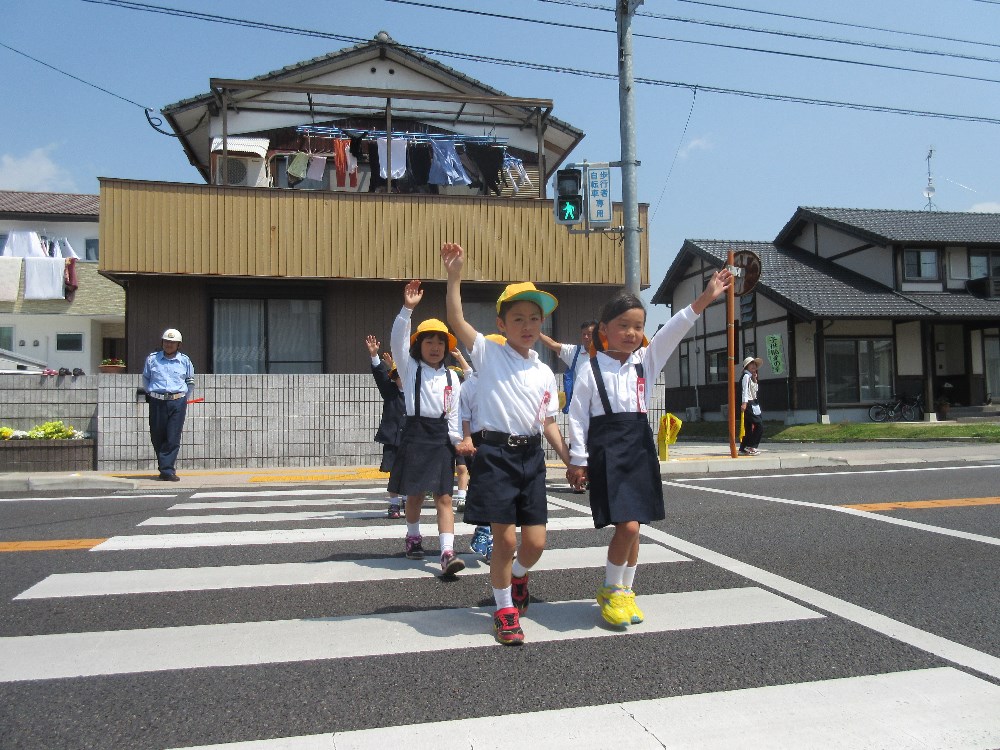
(666, 435)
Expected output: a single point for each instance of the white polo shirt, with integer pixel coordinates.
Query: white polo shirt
(621, 381)
(515, 394)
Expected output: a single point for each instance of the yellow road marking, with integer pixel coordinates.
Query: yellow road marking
(918, 504)
(342, 475)
(44, 545)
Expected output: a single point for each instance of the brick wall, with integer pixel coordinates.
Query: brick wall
(245, 420)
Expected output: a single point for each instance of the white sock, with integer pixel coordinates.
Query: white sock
(413, 529)
(614, 574)
(394, 500)
(502, 597)
(517, 570)
(629, 577)
(447, 541)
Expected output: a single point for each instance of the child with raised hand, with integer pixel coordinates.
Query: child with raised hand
(426, 458)
(464, 371)
(611, 442)
(390, 427)
(517, 402)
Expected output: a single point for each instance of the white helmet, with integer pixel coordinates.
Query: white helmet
(172, 334)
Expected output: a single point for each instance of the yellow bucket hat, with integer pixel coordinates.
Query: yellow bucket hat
(526, 290)
(496, 338)
(433, 325)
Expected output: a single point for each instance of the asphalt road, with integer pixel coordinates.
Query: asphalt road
(778, 614)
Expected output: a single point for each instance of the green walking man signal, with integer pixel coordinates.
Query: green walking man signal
(569, 196)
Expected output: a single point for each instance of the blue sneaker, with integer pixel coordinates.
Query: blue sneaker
(482, 540)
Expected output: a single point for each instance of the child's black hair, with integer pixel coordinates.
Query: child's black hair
(588, 324)
(415, 346)
(621, 304)
(505, 306)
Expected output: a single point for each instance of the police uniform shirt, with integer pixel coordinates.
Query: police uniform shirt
(515, 394)
(621, 381)
(432, 381)
(163, 374)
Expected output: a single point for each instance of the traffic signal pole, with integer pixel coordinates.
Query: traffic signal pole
(624, 10)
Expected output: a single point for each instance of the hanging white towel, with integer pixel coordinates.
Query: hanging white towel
(44, 278)
(64, 249)
(317, 167)
(398, 156)
(10, 279)
(22, 244)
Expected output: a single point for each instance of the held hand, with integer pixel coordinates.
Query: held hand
(372, 343)
(466, 448)
(577, 477)
(453, 257)
(412, 294)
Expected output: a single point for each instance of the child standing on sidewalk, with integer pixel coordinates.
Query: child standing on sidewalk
(390, 427)
(426, 458)
(517, 401)
(612, 444)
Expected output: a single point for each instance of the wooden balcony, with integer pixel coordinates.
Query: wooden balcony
(208, 230)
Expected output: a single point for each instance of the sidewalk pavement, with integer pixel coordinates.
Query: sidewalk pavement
(685, 458)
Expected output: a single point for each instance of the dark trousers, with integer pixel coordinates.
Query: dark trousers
(753, 429)
(166, 422)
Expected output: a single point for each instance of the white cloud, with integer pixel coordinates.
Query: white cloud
(695, 144)
(990, 207)
(35, 171)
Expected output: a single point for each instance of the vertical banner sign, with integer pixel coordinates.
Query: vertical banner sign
(599, 193)
(775, 353)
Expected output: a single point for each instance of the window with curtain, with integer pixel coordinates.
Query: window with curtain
(858, 370)
(267, 336)
(920, 265)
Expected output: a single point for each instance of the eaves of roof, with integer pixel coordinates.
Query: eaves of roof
(16, 204)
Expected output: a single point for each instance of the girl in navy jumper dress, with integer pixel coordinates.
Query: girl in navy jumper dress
(611, 442)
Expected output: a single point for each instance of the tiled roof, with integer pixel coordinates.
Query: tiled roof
(19, 202)
(814, 288)
(901, 227)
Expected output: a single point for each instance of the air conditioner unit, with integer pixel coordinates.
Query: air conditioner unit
(240, 171)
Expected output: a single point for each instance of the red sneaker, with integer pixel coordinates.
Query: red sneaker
(519, 593)
(507, 627)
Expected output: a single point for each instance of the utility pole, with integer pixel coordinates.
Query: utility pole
(624, 10)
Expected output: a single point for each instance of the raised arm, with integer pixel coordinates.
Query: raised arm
(453, 257)
(550, 343)
(716, 285)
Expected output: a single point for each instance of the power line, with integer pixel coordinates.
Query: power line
(558, 69)
(781, 33)
(719, 45)
(75, 78)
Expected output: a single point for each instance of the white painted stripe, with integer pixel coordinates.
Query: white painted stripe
(34, 499)
(866, 515)
(940, 708)
(282, 503)
(845, 472)
(287, 493)
(950, 650)
(304, 574)
(285, 517)
(294, 536)
(64, 655)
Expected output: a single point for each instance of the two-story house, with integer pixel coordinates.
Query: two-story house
(71, 331)
(329, 184)
(852, 306)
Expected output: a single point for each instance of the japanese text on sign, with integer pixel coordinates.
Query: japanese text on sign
(775, 354)
(599, 193)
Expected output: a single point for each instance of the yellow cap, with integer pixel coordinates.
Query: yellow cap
(436, 326)
(526, 291)
(496, 338)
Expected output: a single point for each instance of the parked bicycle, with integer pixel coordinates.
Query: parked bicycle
(908, 408)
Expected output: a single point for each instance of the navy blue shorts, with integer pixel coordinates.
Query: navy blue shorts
(507, 485)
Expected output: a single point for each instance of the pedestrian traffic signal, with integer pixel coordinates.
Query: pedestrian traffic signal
(569, 197)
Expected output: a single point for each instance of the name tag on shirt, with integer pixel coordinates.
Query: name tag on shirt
(640, 394)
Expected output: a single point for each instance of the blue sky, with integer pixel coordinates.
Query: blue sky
(714, 165)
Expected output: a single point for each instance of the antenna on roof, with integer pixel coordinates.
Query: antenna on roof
(929, 190)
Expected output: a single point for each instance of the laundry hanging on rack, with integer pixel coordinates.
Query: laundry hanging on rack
(446, 168)
(23, 244)
(317, 168)
(70, 282)
(10, 278)
(44, 278)
(513, 166)
(298, 166)
(398, 153)
(489, 159)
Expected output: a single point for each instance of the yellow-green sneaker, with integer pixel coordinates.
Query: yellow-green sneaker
(614, 606)
(636, 614)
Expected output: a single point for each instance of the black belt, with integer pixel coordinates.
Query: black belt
(511, 441)
(166, 396)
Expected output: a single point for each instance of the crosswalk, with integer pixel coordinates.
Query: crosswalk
(311, 630)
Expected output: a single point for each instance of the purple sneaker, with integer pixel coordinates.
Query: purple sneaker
(415, 547)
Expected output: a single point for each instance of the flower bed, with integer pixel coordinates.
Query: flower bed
(46, 455)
